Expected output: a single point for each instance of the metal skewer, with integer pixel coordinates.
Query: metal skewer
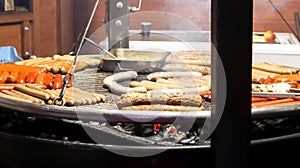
(283, 19)
(297, 22)
(100, 47)
(70, 75)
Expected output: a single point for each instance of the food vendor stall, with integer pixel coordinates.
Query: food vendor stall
(152, 107)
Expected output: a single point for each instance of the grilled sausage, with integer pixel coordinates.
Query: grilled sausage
(258, 99)
(176, 98)
(40, 78)
(13, 97)
(42, 89)
(48, 80)
(275, 68)
(287, 77)
(28, 97)
(33, 92)
(159, 107)
(269, 103)
(57, 81)
(137, 85)
(13, 77)
(174, 74)
(112, 82)
(22, 77)
(3, 76)
(6, 87)
(31, 77)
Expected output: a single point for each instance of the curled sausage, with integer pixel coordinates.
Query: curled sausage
(112, 82)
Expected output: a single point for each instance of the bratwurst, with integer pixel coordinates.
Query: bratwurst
(112, 82)
(167, 98)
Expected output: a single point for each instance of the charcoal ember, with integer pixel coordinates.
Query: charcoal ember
(169, 133)
(142, 130)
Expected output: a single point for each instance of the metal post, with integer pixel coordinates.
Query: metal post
(117, 21)
(232, 42)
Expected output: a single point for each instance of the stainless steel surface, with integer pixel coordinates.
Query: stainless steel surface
(293, 90)
(100, 47)
(169, 36)
(278, 95)
(297, 23)
(146, 27)
(69, 76)
(136, 9)
(137, 60)
(117, 23)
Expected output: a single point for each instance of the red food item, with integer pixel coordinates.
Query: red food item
(57, 82)
(271, 103)
(205, 93)
(22, 77)
(156, 128)
(48, 80)
(3, 76)
(269, 36)
(13, 77)
(293, 85)
(31, 77)
(259, 99)
(70, 84)
(269, 80)
(40, 78)
(262, 80)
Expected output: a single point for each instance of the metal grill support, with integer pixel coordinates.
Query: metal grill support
(117, 22)
(232, 43)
